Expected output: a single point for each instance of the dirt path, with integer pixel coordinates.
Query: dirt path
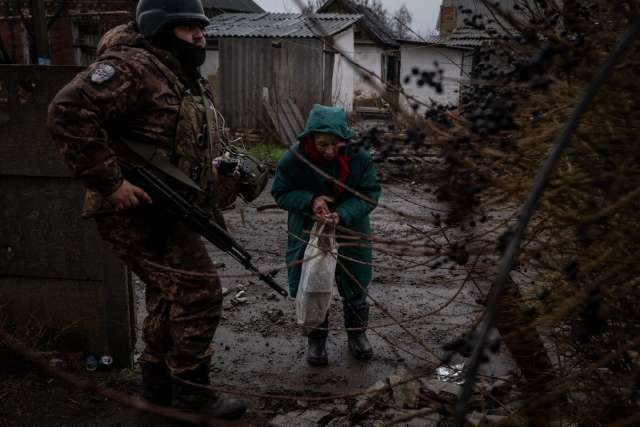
(260, 348)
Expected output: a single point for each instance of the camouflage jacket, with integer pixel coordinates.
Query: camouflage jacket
(126, 92)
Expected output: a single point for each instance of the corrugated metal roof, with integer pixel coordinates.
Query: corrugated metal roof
(279, 25)
(246, 6)
(370, 22)
(465, 38)
(460, 38)
(469, 37)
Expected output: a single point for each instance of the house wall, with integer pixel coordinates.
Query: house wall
(210, 70)
(369, 57)
(211, 64)
(343, 72)
(423, 57)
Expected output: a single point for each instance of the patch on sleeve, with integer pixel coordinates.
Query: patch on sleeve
(102, 72)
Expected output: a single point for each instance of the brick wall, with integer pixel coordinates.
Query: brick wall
(12, 35)
(61, 33)
(448, 19)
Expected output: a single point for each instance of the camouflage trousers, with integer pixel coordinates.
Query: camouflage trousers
(183, 309)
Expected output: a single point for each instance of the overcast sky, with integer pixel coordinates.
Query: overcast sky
(424, 12)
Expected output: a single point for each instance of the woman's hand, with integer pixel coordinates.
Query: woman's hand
(333, 218)
(320, 207)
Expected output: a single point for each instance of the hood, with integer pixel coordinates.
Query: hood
(122, 35)
(325, 119)
(127, 36)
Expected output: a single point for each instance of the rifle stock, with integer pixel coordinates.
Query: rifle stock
(196, 218)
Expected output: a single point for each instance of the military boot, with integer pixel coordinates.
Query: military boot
(197, 399)
(356, 318)
(317, 345)
(156, 383)
(156, 389)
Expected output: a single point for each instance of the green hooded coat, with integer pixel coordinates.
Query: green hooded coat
(296, 185)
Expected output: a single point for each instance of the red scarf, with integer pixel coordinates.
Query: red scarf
(309, 149)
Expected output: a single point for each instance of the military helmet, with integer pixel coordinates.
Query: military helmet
(153, 15)
(254, 176)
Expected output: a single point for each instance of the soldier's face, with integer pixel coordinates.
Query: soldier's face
(191, 33)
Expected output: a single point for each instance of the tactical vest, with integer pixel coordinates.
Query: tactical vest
(196, 143)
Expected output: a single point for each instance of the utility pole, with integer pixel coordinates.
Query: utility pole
(40, 35)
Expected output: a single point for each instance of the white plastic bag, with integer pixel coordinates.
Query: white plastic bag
(315, 289)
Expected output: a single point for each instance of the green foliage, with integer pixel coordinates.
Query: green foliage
(267, 153)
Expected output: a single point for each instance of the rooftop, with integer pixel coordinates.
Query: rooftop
(461, 38)
(245, 6)
(278, 25)
(370, 22)
(470, 37)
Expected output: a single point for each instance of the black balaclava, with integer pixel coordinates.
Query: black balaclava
(190, 56)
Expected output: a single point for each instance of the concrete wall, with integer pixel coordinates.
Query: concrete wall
(423, 57)
(370, 57)
(343, 72)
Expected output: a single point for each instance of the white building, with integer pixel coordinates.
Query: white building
(391, 61)
(376, 51)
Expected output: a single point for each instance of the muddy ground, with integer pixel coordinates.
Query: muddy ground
(259, 348)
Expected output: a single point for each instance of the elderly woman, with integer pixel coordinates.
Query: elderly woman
(309, 196)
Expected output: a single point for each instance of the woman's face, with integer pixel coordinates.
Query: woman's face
(327, 145)
(191, 33)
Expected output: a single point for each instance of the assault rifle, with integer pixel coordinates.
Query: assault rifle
(194, 217)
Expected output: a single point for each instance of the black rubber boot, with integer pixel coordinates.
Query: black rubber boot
(156, 383)
(356, 319)
(197, 399)
(317, 345)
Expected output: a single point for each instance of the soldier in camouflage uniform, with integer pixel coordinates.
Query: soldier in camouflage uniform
(145, 86)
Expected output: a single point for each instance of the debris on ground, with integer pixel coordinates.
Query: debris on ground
(439, 387)
(304, 418)
(275, 315)
(478, 419)
(406, 394)
(451, 374)
(239, 298)
(423, 402)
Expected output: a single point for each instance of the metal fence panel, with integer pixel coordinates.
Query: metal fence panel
(299, 69)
